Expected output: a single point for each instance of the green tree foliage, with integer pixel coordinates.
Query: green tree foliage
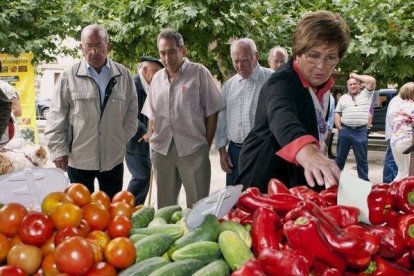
(36, 26)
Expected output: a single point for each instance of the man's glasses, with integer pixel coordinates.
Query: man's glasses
(315, 58)
(90, 46)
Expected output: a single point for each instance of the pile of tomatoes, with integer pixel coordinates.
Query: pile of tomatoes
(75, 233)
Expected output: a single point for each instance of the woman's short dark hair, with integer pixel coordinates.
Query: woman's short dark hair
(320, 27)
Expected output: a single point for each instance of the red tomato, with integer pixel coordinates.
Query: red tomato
(49, 246)
(84, 228)
(120, 252)
(74, 256)
(101, 198)
(36, 228)
(4, 247)
(53, 199)
(66, 215)
(79, 193)
(27, 257)
(97, 251)
(102, 269)
(119, 226)
(66, 233)
(124, 196)
(96, 216)
(100, 237)
(49, 265)
(120, 209)
(11, 215)
(11, 270)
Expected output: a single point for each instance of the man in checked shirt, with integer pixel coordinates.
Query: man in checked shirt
(240, 94)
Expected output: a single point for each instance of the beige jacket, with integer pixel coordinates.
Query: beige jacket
(94, 138)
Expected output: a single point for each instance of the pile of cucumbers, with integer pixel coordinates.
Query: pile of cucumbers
(166, 247)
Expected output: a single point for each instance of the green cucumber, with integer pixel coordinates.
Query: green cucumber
(234, 250)
(217, 268)
(207, 231)
(172, 230)
(142, 217)
(144, 267)
(136, 237)
(180, 268)
(166, 212)
(237, 228)
(205, 251)
(157, 221)
(176, 216)
(152, 246)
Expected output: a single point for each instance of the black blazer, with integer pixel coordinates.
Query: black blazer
(133, 146)
(285, 112)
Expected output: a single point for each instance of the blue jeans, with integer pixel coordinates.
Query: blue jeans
(358, 139)
(390, 168)
(234, 153)
(139, 165)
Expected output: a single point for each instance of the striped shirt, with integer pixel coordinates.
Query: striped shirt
(240, 96)
(354, 111)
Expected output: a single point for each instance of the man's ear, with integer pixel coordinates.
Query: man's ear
(184, 51)
(80, 46)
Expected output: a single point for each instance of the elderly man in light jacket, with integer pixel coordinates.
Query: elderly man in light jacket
(92, 116)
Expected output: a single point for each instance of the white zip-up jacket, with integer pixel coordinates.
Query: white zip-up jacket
(93, 137)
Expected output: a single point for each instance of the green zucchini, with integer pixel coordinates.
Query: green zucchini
(167, 212)
(172, 230)
(217, 268)
(176, 216)
(157, 221)
(136, 237)
(234, 250)
(142, 217)
(237, 228)
(205, 251)
(152, 246)
(144, 267)
(180, 268)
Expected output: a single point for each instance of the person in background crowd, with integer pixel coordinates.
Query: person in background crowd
(402, 126)
(330, 123)
(137, 151)
(277, 56)
(12, 95)
(93, 114)
(182, 107)
(351, 119)
(240, 94)
(5, 111)
(287, 140)
(390, 167)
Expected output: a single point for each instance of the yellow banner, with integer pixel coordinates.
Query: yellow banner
(19, 73)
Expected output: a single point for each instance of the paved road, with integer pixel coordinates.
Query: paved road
(218, 177)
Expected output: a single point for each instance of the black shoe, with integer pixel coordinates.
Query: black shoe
(331, 156)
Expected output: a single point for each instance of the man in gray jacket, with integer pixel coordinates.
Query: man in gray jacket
(92, 116)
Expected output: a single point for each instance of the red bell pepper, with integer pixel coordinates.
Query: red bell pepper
(321, 269)
(264, 232)
(251, 268)
(349, 245)
(306, 193)
(394, 218)
(236, 215)
(289, 262)
(405, 261)
(381, 267)
(403, 194)
(330, 195)
(406, 229)
(344, 215)
(252, 199)
(305, 234)
(392, 244)
(381, 186)
(379, 205)
(275, 186)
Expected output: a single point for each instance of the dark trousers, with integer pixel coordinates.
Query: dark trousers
(110, 182)
(390, 168)
(358, 139)
(139, 165)
(234, 153)
(328, 142)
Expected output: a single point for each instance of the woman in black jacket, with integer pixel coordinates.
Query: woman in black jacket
(287, 141)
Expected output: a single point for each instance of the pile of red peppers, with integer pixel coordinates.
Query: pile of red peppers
(298, 231)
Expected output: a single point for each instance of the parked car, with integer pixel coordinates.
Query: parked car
(42, 108)
(382, 99)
